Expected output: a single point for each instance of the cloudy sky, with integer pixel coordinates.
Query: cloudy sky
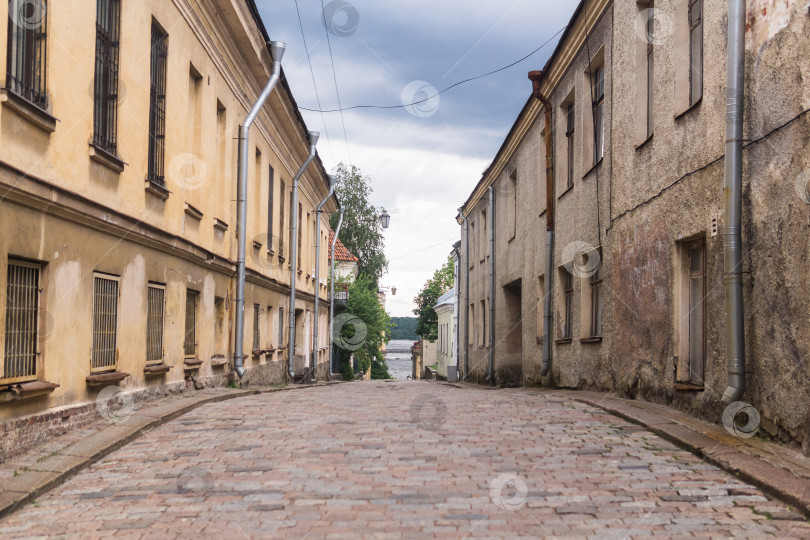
(423, 160)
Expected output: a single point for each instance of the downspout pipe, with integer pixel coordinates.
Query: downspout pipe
(732, 238)
(277, 52)
(466, 294)
(318, 273)
(332, 366)
(313, 141)
(491, 233)
(536, 77)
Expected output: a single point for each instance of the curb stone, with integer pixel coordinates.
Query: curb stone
(776, 481)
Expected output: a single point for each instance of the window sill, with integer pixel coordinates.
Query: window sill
(27, 390)
(270, 252)
(593, 168)
(103, 379)
(567, 190)
(220, 225)
(218, 360)
(539, 341)
(28, 111)
(109, 160)
(541, 214)
(190, 364)
(157, 369)
(193, 212)
(281, 258)
(644, 142)
(157, 190)
(689, 109)
(689, 387)
(596, 339)
(257, 244)
(564, 341)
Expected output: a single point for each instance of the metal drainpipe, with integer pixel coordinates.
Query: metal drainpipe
(277, 51)
(491, 376)
(732, 239)
(313, 141)
(536, 77)
(318, 273)
(332, 295)
(466, 294)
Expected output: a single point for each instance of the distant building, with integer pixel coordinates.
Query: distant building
(346, 264)
(445, 352)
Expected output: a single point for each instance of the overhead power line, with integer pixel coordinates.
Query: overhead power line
(337, 92)
(312, 72)
(340, 109)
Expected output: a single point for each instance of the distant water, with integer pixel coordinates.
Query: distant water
(399, 365)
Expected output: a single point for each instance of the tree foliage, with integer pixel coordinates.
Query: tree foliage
(361, 231)
(366, 330)
(427, 324)
(404, 328)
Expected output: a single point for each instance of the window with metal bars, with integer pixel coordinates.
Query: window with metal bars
(105, 105)
(256, 321)
(569, 135)
(272, 184)
(695, 51)
(22, 304)
(154, 323)
(105, 323)
(281, 221)
(27, 47)
(190, 341)
(281, 327)
(596, 302)
(568, 296)
(157, 105)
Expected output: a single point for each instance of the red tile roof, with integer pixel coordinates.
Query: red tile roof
(341, 253)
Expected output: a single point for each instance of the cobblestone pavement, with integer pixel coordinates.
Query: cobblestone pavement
(402, 460)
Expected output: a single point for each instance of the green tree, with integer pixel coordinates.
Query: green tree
(361, 231)
(427, 324)
(364, 329)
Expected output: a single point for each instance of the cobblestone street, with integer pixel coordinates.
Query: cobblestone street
(402, 460)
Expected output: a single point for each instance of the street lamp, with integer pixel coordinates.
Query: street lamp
(385, 219)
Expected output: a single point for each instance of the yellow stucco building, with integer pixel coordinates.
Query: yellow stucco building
(119, 123)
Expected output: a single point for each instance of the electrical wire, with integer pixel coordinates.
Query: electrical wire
(312, 72)
(341, 109)
(337, 92)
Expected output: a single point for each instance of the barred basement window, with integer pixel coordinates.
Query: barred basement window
(190, 342)
(22, 303)
(157, 105)
(105, 323)
(154, 324)
(27, 47)
(105, 109)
